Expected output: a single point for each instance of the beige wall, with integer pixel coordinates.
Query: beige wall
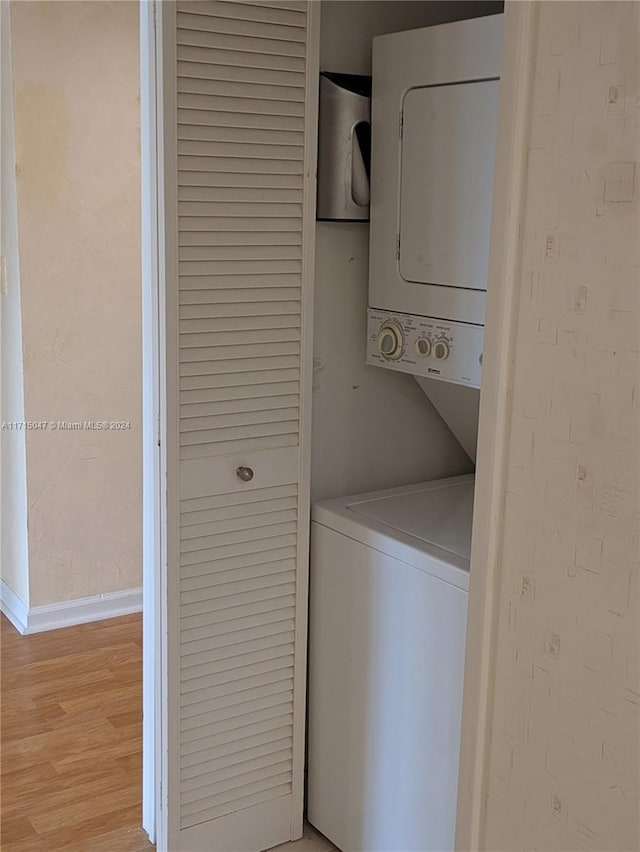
(76, 86)
(14, 557)
(564, 758)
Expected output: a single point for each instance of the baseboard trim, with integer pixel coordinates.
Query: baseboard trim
(13, 607)
(38, 619)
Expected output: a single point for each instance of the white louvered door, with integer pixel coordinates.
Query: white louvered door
(238, 97)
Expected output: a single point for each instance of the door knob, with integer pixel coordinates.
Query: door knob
(244, 473)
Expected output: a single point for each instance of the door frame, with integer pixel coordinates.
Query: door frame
(154, 466)
(494, 424)
(502, 303)
(160, 432)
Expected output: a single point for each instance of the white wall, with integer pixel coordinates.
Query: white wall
(348, 26)
(75, 78)
(372, 428)
(14, 555)
(564, 755)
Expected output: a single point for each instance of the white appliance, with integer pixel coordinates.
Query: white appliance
(434, 125)
(388, 608)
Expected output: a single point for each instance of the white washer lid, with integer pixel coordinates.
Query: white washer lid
(427, 525)
(439, 513)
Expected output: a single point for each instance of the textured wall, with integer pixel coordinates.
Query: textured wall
(564, 759)
(14, 556)
(77, 140)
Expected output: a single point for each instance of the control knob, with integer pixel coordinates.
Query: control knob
(440, 350)
(390, 340)
(423, 346)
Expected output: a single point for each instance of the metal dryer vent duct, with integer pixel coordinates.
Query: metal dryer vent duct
(344, 147)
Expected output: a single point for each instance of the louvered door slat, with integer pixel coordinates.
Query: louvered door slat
(213, 401)
(238, 74)
(275, 677)
(269, 365)
(258, 162)
(200, 236)
(277, 95)
(193, 726)
(298, 5)
(197, 340)
(217, 501)
(241, 253)
(229, 803)
(238, 143)
(228, 265)
(217, 577)
(220, 578)
(218, 289)
(207, 208)
(272, 755)
(264, 439)
(194, 188)
(221, 670)
(263, 47)
(231, 509)
(196, 242)
(236, 678)
(265, 627)
(237, 121)
(292, 16)
(228, 351)
(225, 539)
(211, 224)
(264, 642)
(233, 778)
(205, 569)
(261, 755)
(197, 562)
(222, 739)
(242, 135)
(255, 425)
(245, 322)
(193, 19)
(212, 634)
(243, 522)
(201, 95)
(246, 150)
(242, 391)
(237, 58)
(197, 186)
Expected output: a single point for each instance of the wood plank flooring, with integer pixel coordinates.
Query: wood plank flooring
(71, 738)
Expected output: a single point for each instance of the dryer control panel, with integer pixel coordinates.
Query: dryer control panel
(424, 346)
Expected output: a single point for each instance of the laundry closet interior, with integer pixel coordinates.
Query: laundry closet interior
(315, 365)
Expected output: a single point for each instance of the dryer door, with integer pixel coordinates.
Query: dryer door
(448, 151)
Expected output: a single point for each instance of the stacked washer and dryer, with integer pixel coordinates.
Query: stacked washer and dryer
(390, 569)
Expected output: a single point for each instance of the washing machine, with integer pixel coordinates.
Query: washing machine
(388, 609)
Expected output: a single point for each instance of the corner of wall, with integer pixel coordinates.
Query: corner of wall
(14, 550)
(77, 295)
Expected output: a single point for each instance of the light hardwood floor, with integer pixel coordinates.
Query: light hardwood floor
(71, 741)
(71, 738)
